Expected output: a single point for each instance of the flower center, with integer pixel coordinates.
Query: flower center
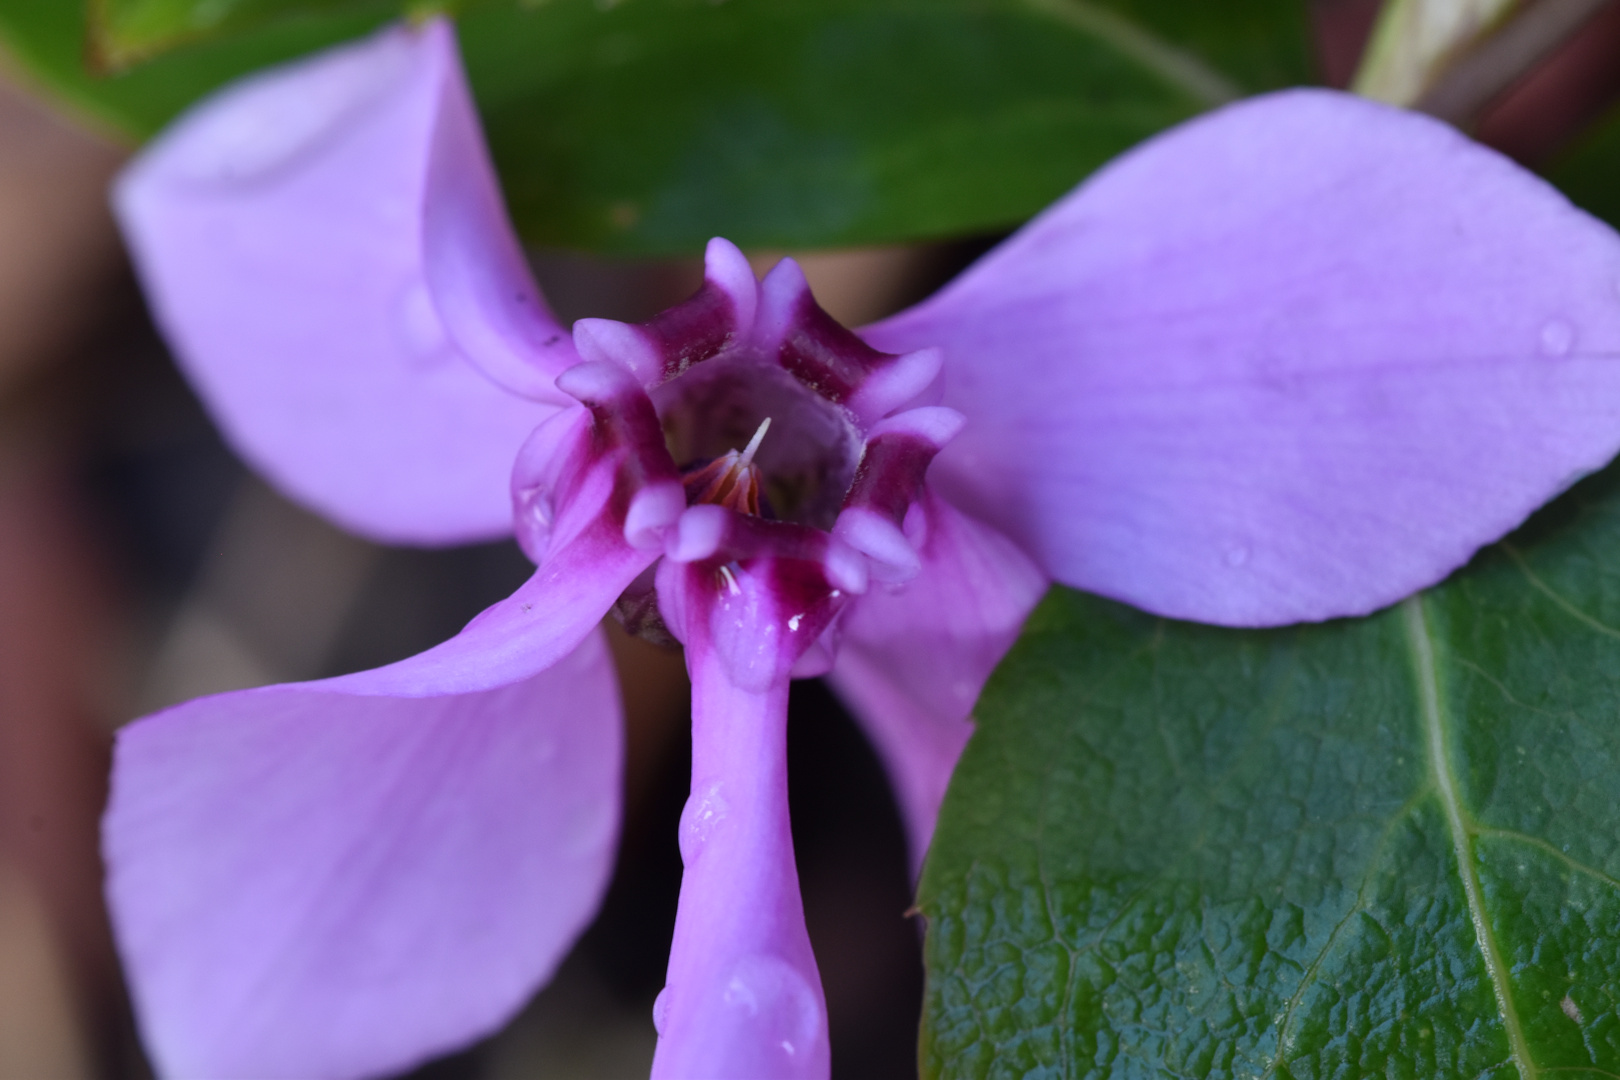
(731, 480)
(800, 473)
(764, 545)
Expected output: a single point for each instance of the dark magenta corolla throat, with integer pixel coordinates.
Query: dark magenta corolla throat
(798, 451)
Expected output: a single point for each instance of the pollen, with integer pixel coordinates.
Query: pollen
(731, 480)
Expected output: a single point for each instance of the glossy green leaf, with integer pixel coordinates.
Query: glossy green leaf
(648, 126)
(1386, 847)
(815, 122)
(1590, 173)
(49, 40)
(123, 32)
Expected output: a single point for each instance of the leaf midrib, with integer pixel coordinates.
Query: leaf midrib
(1434, 727)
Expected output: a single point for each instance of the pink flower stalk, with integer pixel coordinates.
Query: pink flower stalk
(1289, 361)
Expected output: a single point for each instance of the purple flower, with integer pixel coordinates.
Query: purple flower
(1290, 361)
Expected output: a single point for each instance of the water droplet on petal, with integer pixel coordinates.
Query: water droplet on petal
(740, 995)
(538, 505)
(770, 992)
(1237, 555)
(533, 520)
(705, 811)
(1557, 338)
(661, 1010)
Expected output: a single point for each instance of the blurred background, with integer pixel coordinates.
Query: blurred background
(141, 564)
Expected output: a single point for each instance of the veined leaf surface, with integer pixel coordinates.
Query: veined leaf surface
(1383, 847)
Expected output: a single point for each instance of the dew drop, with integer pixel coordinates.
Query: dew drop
(739, 995)
(770, 993)
(533, 521)
(1557, 338)
(538, 505)
(705, 810)
(1237, 555)
(661, 1010)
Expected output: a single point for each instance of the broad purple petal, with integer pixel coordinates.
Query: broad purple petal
(914, 658)
(1289, 361)
(475, 268)
(313, 883)
(278, 232)
(343, 877)
(743, 999)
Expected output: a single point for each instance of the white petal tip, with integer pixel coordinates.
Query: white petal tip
(900, 381)
(697, 535)
(845, 568)
(892, 558)
(613, 342)
(653, 512)
(595, 381)
(727, 269)
(936, 424)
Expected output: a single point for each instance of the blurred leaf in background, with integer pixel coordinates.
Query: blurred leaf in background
(1196, 852)
(648, 126)
(49, 39)
(1590, 173)
(124, 32)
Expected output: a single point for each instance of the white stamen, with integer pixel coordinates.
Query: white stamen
(747, 458)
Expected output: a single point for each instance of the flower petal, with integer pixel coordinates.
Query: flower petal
(913, 659)
(525, 633)
(316, 883)
(743, 1000)
(1289, 361)
(341, 878)
(474, 265)
(278, 232)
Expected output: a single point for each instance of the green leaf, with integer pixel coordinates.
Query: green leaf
(1590, 174)
(648, 126)
(123, 32)
(655, 125)
(49, 40)
(1378, 847)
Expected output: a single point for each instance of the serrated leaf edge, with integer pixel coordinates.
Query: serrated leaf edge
(1428, 681)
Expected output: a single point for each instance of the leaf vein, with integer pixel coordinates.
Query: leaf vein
(1360, 905)
(1550, 593)
(1461, 840)
(1543, 846)
(1065, 1035)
